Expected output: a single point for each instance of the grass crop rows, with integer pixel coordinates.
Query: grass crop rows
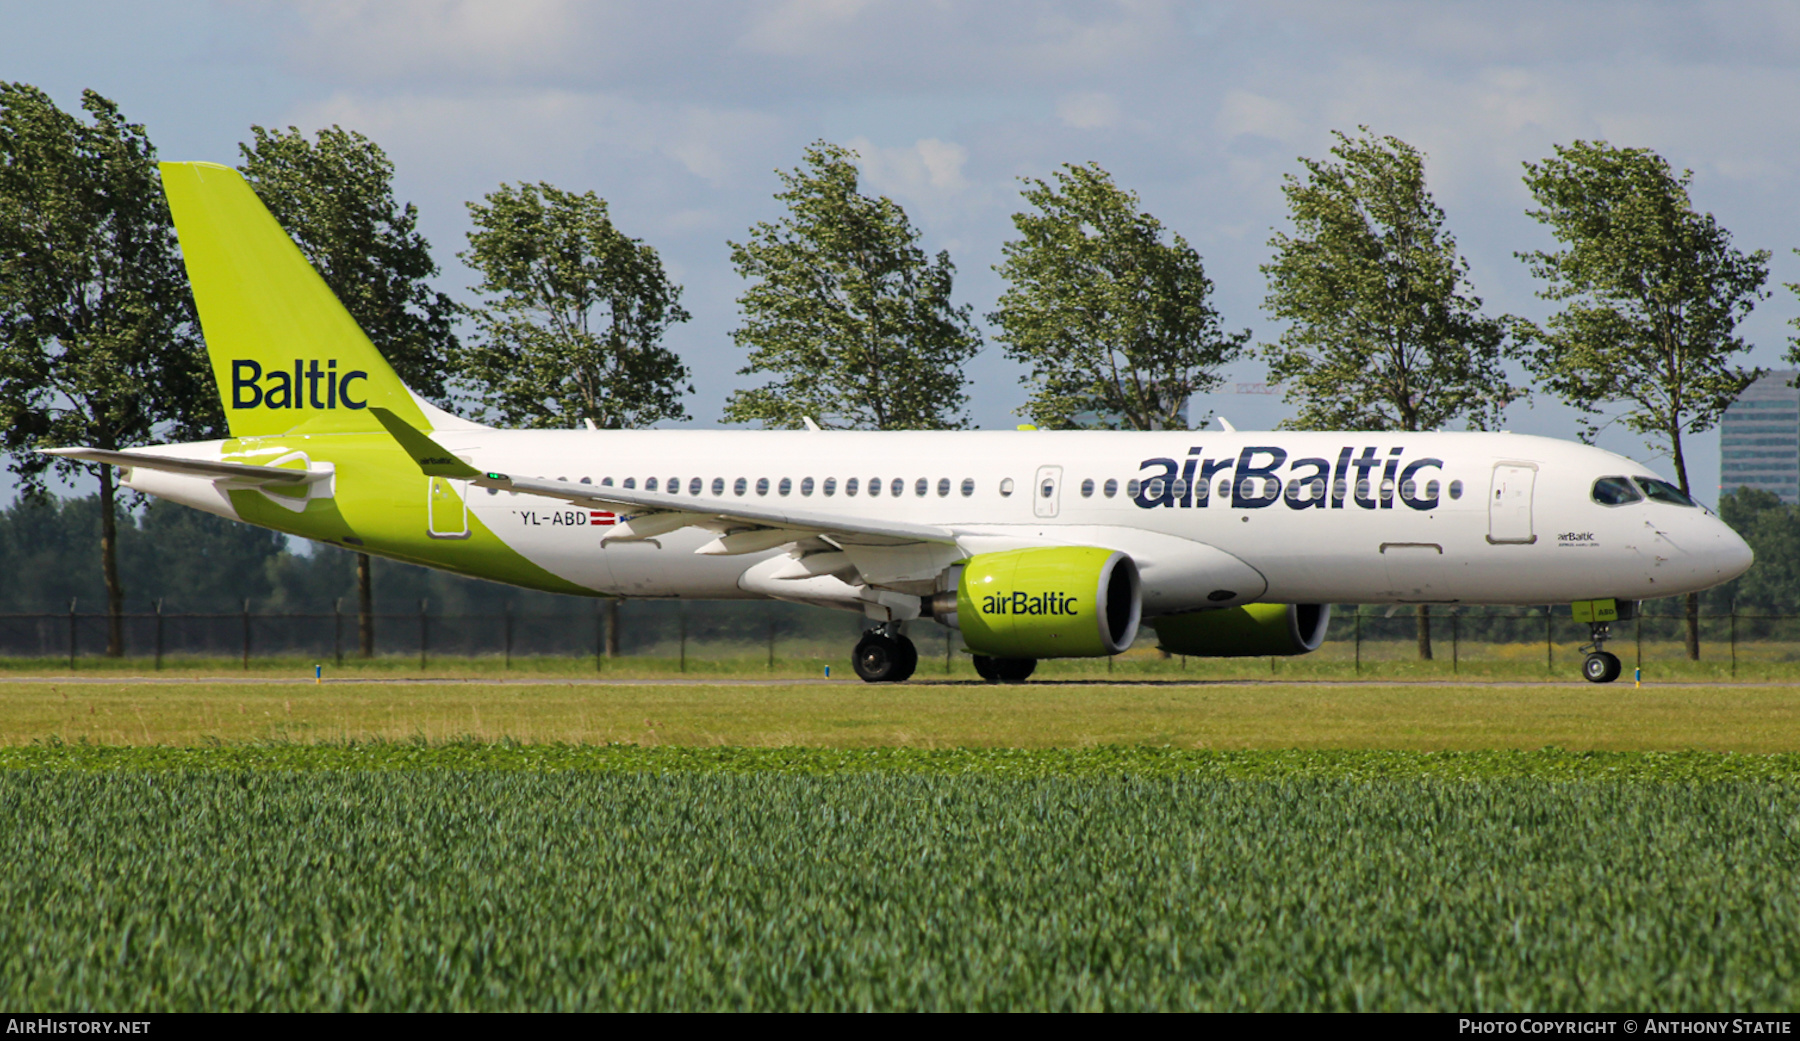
(471, 877)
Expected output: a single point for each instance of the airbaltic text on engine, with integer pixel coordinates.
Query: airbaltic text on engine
(1310, 483)
(1020, 602)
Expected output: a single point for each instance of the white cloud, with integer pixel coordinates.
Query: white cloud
(1245, 113)
(924, 168)
(1088, 110)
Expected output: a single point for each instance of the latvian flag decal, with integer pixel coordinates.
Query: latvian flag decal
(602, 517)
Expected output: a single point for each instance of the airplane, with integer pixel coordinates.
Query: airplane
(1032, 544)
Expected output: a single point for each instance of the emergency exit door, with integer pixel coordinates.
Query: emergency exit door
(1509, 504)
(1045, 490)
(446, 508)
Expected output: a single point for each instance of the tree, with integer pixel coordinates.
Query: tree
(575, 331)
(579, 311)
(1654, 292)
(99, 344)
(1383, 329)
(335, 197)
(846, 311)
(1772, 528)
(1114, 322)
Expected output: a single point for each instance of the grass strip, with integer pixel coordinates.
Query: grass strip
(1126, 761)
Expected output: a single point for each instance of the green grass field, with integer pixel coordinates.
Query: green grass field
(546, 841)
(852, 714)
(513, 877)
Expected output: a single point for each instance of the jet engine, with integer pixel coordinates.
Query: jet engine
(1051, 602)
(1253, 630)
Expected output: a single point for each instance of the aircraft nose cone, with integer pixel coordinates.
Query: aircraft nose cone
(1731, 554)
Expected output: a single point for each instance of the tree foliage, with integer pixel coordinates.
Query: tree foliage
(845, 311)
(99, 344)
(335, 196)
(1653, 293)
(1384, 331)
(1772, 528)
(1114, 322)
(574, 330)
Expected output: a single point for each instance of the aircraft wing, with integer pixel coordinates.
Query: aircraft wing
(195, 467)
(714, 513)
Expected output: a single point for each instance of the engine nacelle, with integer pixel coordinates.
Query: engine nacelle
(1253, 630)
(1052, 602)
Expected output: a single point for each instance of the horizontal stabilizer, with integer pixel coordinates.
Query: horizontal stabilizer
(194, 467)
(434, 459)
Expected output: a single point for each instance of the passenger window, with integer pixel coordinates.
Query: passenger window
(1455, 489)
(1662, 491)
(718, 486)
(874, 486)
(850, 486)
(739, 486)
(830, 486)
(1087, 488)
(1180, 488)
(607, 481)
(649, 484)
(968, 487)
(1615, 491)
(762, 486)
(920, 486)
(1111, 488)
(631, 482)
(694, 485)
(943, 487)
(786, 486)
(806, 486)
(1006, 486)
(590, 480)
(1132, 486)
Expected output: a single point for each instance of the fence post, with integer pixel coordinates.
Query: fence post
(771, 643)
(337, 630)
(1549, 653)
(1639, 632)
(1734, 637)
(159, 634)
(947, 653)
(507, 631)
(599, 637)
(424, 634)
(681, 613)
(1358, 617)
(1455, 642)
(72, 633)
(246, 636)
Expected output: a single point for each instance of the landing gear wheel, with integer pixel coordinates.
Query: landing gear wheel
(880, 658)
(1601, 667)
(1004, 670)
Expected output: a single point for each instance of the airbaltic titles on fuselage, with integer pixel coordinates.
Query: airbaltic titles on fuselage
(1367, 480)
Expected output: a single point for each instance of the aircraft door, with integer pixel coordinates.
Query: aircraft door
(1046, 490)
(1509, 504)
(446, 508)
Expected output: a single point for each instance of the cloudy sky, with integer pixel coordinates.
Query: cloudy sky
(679, 113)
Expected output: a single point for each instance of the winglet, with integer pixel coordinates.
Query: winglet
(434, 459)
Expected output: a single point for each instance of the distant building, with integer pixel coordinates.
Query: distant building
(1759, 439)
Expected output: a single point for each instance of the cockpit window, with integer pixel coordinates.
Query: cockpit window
(1662, 491)
(1615, 491)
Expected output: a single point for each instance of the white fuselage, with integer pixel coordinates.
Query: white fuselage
(1389, 518)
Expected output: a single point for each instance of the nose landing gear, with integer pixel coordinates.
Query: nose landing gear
(884, 657)
(1601, 666)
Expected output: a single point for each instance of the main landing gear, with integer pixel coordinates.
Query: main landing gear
(1601, 666)
(1004, 670)
(884, 657)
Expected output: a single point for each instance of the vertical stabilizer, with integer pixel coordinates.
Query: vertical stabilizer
(285, 353)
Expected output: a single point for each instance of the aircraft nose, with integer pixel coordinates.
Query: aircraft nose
(1729, 553)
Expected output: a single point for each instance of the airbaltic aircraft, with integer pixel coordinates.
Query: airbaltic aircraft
(1032, 544)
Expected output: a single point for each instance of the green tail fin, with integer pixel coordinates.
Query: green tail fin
(286, 354)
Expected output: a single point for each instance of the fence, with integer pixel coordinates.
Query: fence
(678, 632)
